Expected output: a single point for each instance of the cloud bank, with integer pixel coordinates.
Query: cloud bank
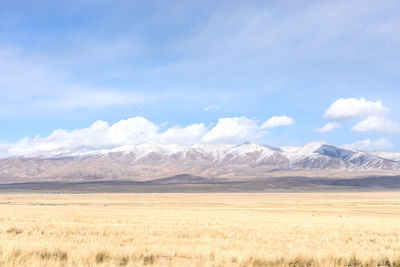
(139, 130)
(373, 115)
(377, 124)
(352, 108)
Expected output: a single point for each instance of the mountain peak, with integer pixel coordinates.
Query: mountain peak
(151, 160)
(332, 151)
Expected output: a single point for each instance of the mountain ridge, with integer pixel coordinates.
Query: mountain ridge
(152, 160)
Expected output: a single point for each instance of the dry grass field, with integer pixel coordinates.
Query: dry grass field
(304, 229)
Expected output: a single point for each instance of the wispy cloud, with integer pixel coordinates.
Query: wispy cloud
(329, 127)
(370, 145)
(277, 121)
(212, 107)
(377, 124)
(94, 98)
(201, 50)
(88, 59)
(306, 31)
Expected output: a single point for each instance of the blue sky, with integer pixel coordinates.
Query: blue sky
(67, 64)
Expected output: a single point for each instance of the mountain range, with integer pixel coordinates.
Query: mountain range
(152, 160)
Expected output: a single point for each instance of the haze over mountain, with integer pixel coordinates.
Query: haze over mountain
(152, 160)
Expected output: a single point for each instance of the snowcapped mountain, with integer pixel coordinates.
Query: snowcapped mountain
(388, 155)
(152, 160)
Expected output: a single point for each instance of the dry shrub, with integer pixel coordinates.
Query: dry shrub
(354, 261)
(14, 230)
(148, 260)
(102, 256)
(124, 260)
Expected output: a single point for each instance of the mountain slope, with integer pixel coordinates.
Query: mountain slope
(151, 160)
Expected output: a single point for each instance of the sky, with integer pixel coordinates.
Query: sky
(104, 73)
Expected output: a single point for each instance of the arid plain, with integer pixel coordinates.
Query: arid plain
(275, 229)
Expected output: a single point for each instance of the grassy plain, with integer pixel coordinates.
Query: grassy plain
(293, 229)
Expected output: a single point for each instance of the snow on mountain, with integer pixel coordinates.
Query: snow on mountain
(151, 160)
(142, 150)
(215, 150)
(295, 153)
(219, 152)
(387, 155)
(251, 148)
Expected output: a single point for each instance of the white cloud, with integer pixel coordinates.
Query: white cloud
(135, 131)
(352, 108)
(373, 115)
(276, 121)
(100, 135)
(232, 130)
(183, 135)
(377, 124)
(368, 145)
(329, 127)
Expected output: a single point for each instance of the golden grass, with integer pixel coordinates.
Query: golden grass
(311, 229)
